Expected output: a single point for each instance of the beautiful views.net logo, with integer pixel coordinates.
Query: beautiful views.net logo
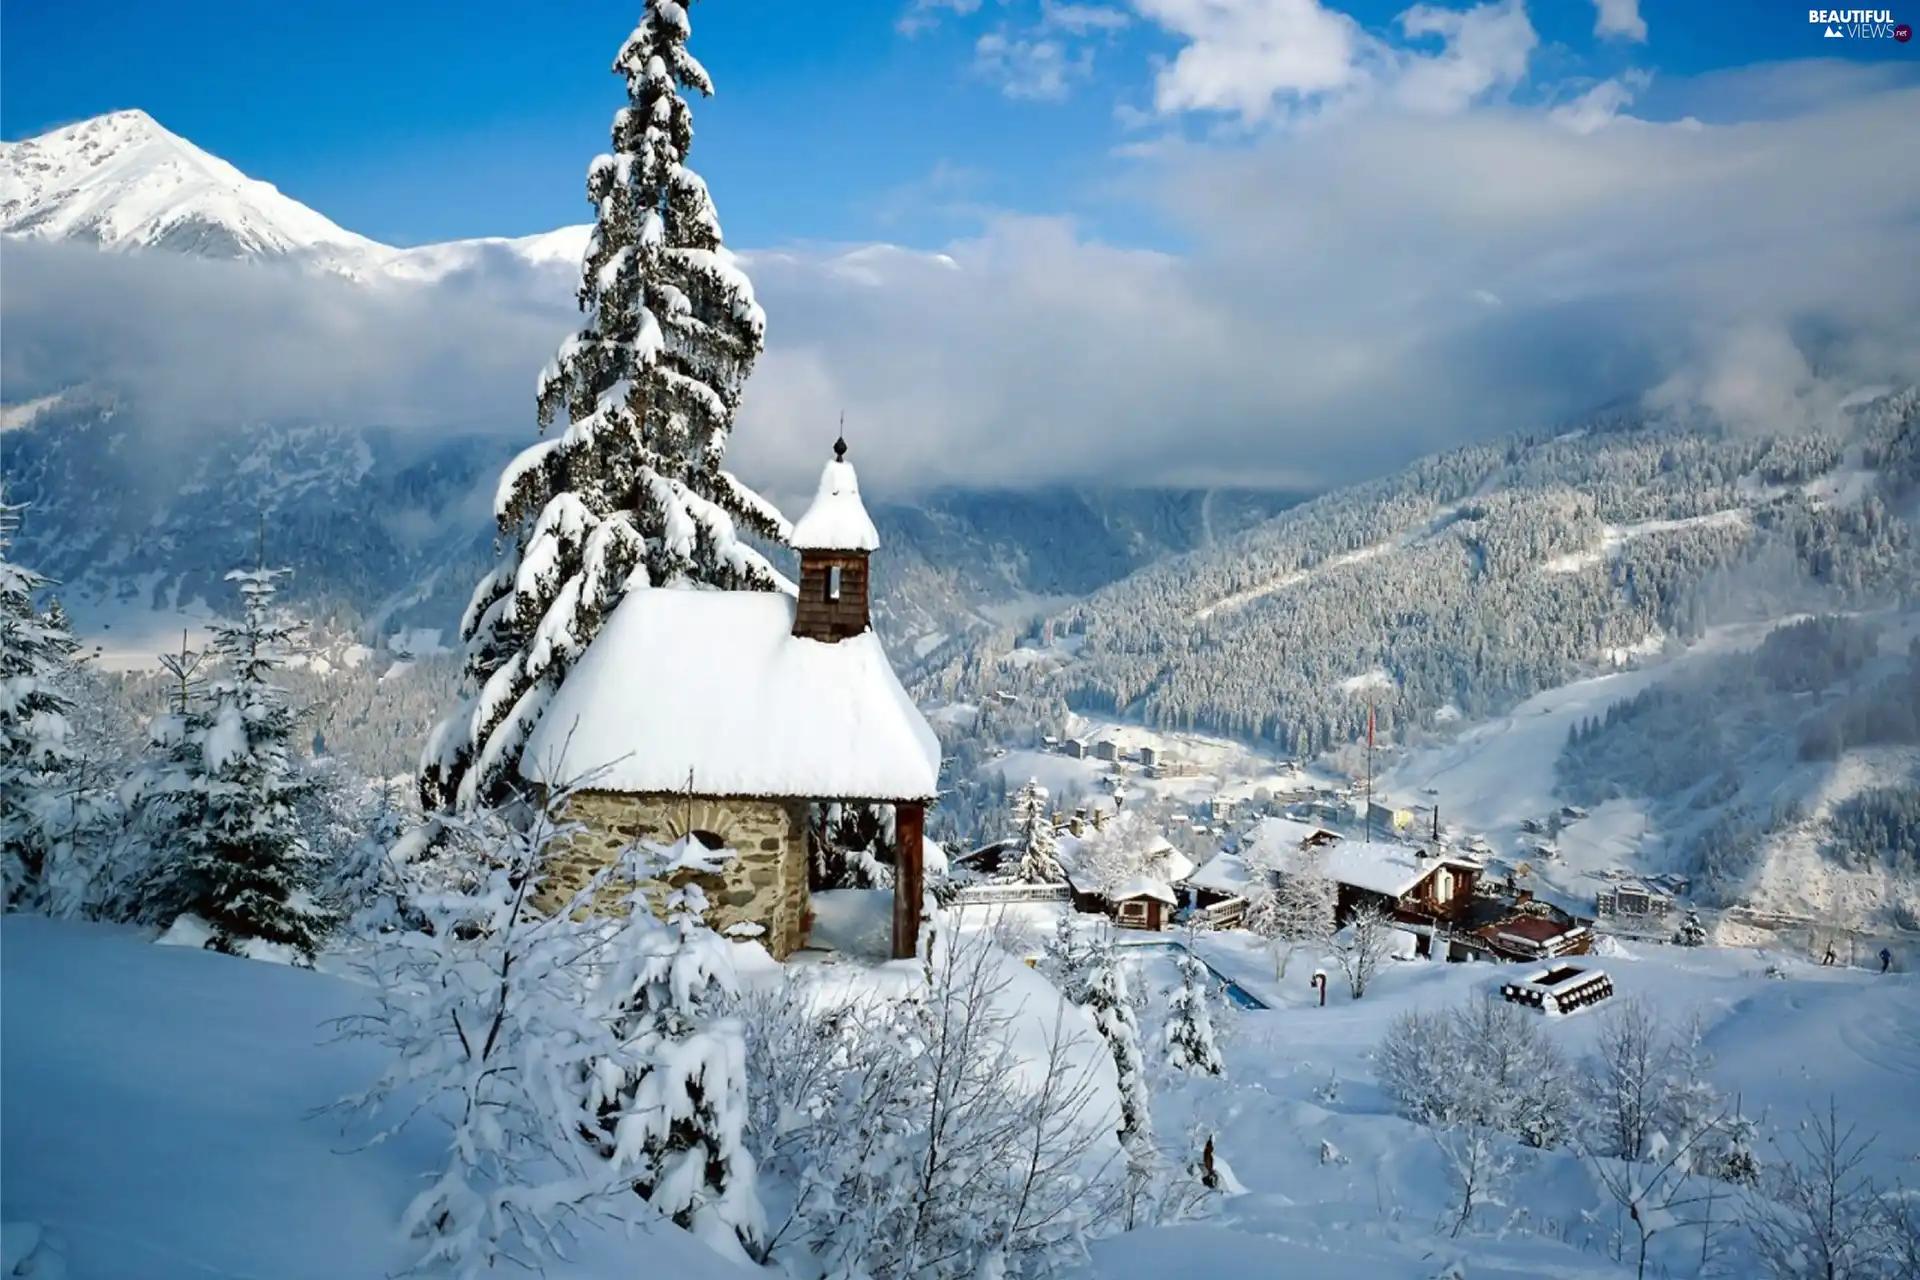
(1860, 24)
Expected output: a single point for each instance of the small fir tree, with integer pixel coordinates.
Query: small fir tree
(1691, 932)
(1188, 1035)
(224, 798)
(632, 493)
(1039, 846)
(672, 1114)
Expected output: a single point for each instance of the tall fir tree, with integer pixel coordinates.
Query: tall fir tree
(1107, 996)
(36, 754)
(223, 798)
(1039, 846)
(633, 492)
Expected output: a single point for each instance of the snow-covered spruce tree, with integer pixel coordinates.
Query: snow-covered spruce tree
(632, 493)
(36, 756)
(1039, 846)
(1188, 1035)
(1106, 996)
(223, 801)
(670, 1112)
(1067, 958)
(1691, 932)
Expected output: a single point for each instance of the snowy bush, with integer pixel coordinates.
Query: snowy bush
(904, 1142)
(491, 1016)
(1366, 942)
(670, 1105)
(1291, 905)
(1483, 1064)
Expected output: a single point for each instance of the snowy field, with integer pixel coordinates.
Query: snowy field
(159, 1113)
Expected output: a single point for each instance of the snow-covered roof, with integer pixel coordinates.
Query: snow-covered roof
(837, 520)
(1145, 887)
(1223, 873)
(1173, 865)
(714, 684)
(1271, 840)
(1379, 867)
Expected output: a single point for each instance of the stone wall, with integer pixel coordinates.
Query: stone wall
(766, 884)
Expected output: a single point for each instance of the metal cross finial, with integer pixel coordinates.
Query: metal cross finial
(840, 445)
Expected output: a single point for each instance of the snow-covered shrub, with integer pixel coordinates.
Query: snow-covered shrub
(669, 1107)
(1106, 995)
(1691, 932)
(492, 1017)
(1362, 946)
(1822, 1215)
(1483, 1064)
(1646, 1084)
(906, 1140)
(1291, 905)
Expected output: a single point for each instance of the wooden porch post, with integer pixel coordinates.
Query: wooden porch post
(909, 876)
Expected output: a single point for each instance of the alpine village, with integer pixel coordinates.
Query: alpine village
(882, 894)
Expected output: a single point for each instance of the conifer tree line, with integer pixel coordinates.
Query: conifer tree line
(205, 819)
(1471, 580)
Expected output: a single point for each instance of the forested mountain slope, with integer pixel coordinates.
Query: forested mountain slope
(1477, 577)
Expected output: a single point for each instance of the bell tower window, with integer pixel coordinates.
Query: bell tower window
(833, 582)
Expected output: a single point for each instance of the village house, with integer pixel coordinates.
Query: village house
(728, 716)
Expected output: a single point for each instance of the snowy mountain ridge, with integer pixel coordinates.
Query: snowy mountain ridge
(125, 183)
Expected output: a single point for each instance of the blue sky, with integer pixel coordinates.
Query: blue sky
(413, 122)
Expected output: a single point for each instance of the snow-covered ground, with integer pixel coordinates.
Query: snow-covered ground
(159, 1110)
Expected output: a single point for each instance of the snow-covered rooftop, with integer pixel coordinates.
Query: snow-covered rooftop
(837, 520)
(714, 684)
(1378, 867)
(1145, 887)
(1223, 873)
(1271, 840)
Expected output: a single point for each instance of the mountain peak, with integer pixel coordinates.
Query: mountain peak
(123, 181)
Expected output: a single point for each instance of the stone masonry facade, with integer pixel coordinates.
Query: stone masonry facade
(764, 884)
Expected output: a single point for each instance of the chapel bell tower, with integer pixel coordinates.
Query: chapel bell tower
(835, 540)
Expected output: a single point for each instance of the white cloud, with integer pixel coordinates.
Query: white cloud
(924, 15)
(1486, 49)
(1242, 55)
(1332, 318)
(1257, 58)
(1026, 67)
(1619, 18)
(1598, 105)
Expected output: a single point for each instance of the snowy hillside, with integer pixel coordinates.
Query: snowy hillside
(1479, 577)
(160, 1111)
(123, 182)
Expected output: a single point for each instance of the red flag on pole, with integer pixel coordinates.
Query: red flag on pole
(1369, 724)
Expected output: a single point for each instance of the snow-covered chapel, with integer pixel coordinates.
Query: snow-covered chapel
(725, 715)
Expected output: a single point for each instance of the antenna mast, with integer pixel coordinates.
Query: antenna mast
(1369, 771)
